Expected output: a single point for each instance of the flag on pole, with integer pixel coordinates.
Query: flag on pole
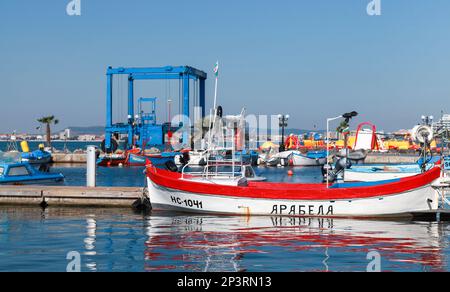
(346, 131)
(216, 69)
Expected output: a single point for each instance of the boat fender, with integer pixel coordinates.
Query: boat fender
(25, 147)
(142, 205)
(171, 166)
(220, 111)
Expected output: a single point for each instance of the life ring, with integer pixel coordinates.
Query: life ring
(421, 133)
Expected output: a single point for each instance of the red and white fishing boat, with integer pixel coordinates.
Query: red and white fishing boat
(237, 196)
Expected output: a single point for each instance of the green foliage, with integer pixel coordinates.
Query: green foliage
(48, 120)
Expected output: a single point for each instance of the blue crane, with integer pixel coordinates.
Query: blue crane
(131, 128)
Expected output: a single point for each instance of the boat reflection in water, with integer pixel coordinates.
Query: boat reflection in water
(120, 240)
(210, 243)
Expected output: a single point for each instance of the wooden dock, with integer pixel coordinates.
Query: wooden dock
(70, 196)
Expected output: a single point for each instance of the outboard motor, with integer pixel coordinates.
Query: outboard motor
(171, 166)
(184, 158)
(357, 156)
(333, 173)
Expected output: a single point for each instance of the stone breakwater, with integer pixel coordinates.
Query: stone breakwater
(373, 158)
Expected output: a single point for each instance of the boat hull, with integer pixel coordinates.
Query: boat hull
(142, 160)
(301, 160)
(401, 204)
(371, 173)
(353, 176)
(108, 161)
(33, 181)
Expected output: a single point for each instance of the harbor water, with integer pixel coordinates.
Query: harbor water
(33, 239)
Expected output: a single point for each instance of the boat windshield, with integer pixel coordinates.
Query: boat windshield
(10, 157)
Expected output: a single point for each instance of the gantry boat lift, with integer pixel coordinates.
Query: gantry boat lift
(182, 73)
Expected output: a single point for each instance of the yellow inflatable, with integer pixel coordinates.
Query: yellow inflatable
(24, 146)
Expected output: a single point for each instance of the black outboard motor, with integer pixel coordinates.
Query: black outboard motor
(171, 166)
(357, 156)
(333, 173)
(184, 158)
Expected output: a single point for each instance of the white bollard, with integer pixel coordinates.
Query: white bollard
(91, 167)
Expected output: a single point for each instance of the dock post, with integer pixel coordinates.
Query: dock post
(91, 167)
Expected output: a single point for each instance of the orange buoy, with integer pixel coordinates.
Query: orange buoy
(290, 173)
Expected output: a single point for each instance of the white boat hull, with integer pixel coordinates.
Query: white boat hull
(372, 173)
(353, 176)
(301, 160)
(416, 200)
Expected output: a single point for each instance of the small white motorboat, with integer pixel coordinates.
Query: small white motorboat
(295, 158)
(312, 158)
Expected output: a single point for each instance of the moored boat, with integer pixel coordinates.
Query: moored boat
(108, 160)
(142, 159)
(400, 197)
(37, 157)
(312, 158)
(378, 172)
(135, 157)
(14, 171)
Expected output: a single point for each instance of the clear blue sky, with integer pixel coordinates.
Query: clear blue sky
(312, 59)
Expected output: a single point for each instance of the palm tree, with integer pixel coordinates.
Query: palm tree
(343, 129)
(48, 121)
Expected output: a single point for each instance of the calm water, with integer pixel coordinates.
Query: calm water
(119, 240)
(133, 176)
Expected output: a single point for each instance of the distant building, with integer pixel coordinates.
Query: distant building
(442, 127)
(87, 138)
